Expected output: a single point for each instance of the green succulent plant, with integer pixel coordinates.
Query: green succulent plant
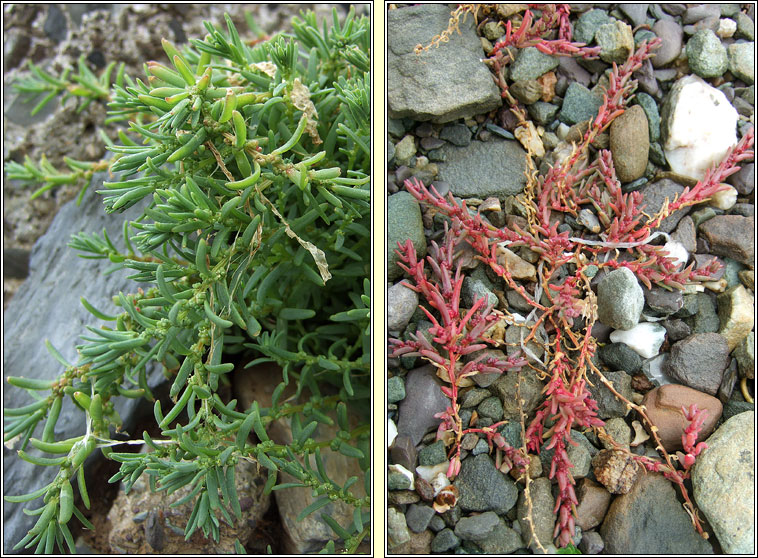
(253, 247)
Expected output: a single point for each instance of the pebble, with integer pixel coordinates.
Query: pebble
(444, 541)
(619, 430)
(503, 540)
(745, 355)
(588, 24)
(592, 543)
(477, 527)
(403, 222)
(457, 134)
(650, 520)
(403, 452)
(616, 42)
(618, 356)
(619, 299)
(723, 483)
(698, 126)
(637, 13)
(419, 85)
(663, 302)
(397, 529)
(530, 63)
(432, 454)
(594, 500)
(527, 91)
(483, 488)
(579, 104)
(699, 361)
(685, 234)
(671, 35)
(745, 27)
(401, 304)
(630, 143)
(608, 404)
(405, 149)
(491, 408)
(736, 314)
(543, 516)
(645, 338)
(391, 432)
(418, 516)
(518, 267)
(655, 194)
(423, 399)
(507, 385)
(482, 170)
(732, 236)
(664, 409)
(615, 470)
(742, 61)
(705, 319)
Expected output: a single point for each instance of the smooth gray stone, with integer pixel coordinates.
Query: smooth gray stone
(47, 306)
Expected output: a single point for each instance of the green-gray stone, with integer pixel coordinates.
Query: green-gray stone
(579, 104)
(643, 35)
(528, 91)
(397, 481)
(742, 61)
(491, 408)
(432, 454)
(706, 320)
(395, 389)
(650, 107)
(616, 42)
(706, 55)
(530, 63)
(588, 23)
(657, 155)
(403, 223)
(731, 270)
(745, 355)
(481, 170)
(542, 113)
(745, 27)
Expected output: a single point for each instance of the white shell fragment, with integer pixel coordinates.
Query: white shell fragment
(645, 338)
(405, 472)
(429, 472)
(391, 432)
(677, 251)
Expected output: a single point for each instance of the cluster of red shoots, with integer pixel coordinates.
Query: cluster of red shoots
(566, 187)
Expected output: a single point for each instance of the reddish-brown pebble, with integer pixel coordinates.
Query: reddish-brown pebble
(664, 409)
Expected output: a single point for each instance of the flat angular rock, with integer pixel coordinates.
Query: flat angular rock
(731, 236)
(484, 169)
(47, 306)
(699, 361)
(724, 486)
(483, 488)
(440, 84)
(423, 399)
(403, 223)
(650, 520)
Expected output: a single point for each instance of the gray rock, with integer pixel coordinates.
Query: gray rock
(671, 35)
(579, 104)
(618, 356)
(482, 487)
(440, 84)
(723, 483)
(503, 540)
(395, 389)
(432, 454)
(616, 42)
(403, 452)
(431, 143)
(745, 355)
(654, 195)
(527, 91)
(705, 320)
(732, 236)
(423, 399)
(650, 520)
(403, 223)
(699, 361)
(543, 517)
(619, 299)
(663, 302)
(588, 23)
(397, 529)
(491, 408)
(390, 151)
(481, 445)
(685, 233)
(47, 307)
(734, 407)
(56, 26)
(401, 304)
(619, 430)
(404, 150)
(507, 386)
(542, 113)
(418, 517)
(457, 134)
(445, 540)
(637, 13)
(473, 397)
(745, 27)
(650, 107)
(477, 527)
(592, 543)
(475, 288)
(742, 61)
(580, 455)
(482, 170)
(397, 481)
(608, 405)
(706, 55)
(530, 63)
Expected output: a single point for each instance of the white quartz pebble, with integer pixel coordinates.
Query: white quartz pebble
(645, 338)
(391, 432)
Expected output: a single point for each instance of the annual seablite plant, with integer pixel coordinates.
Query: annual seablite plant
(254, 246)
(562, 301)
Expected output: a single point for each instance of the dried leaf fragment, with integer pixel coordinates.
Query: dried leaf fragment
(301, 99)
